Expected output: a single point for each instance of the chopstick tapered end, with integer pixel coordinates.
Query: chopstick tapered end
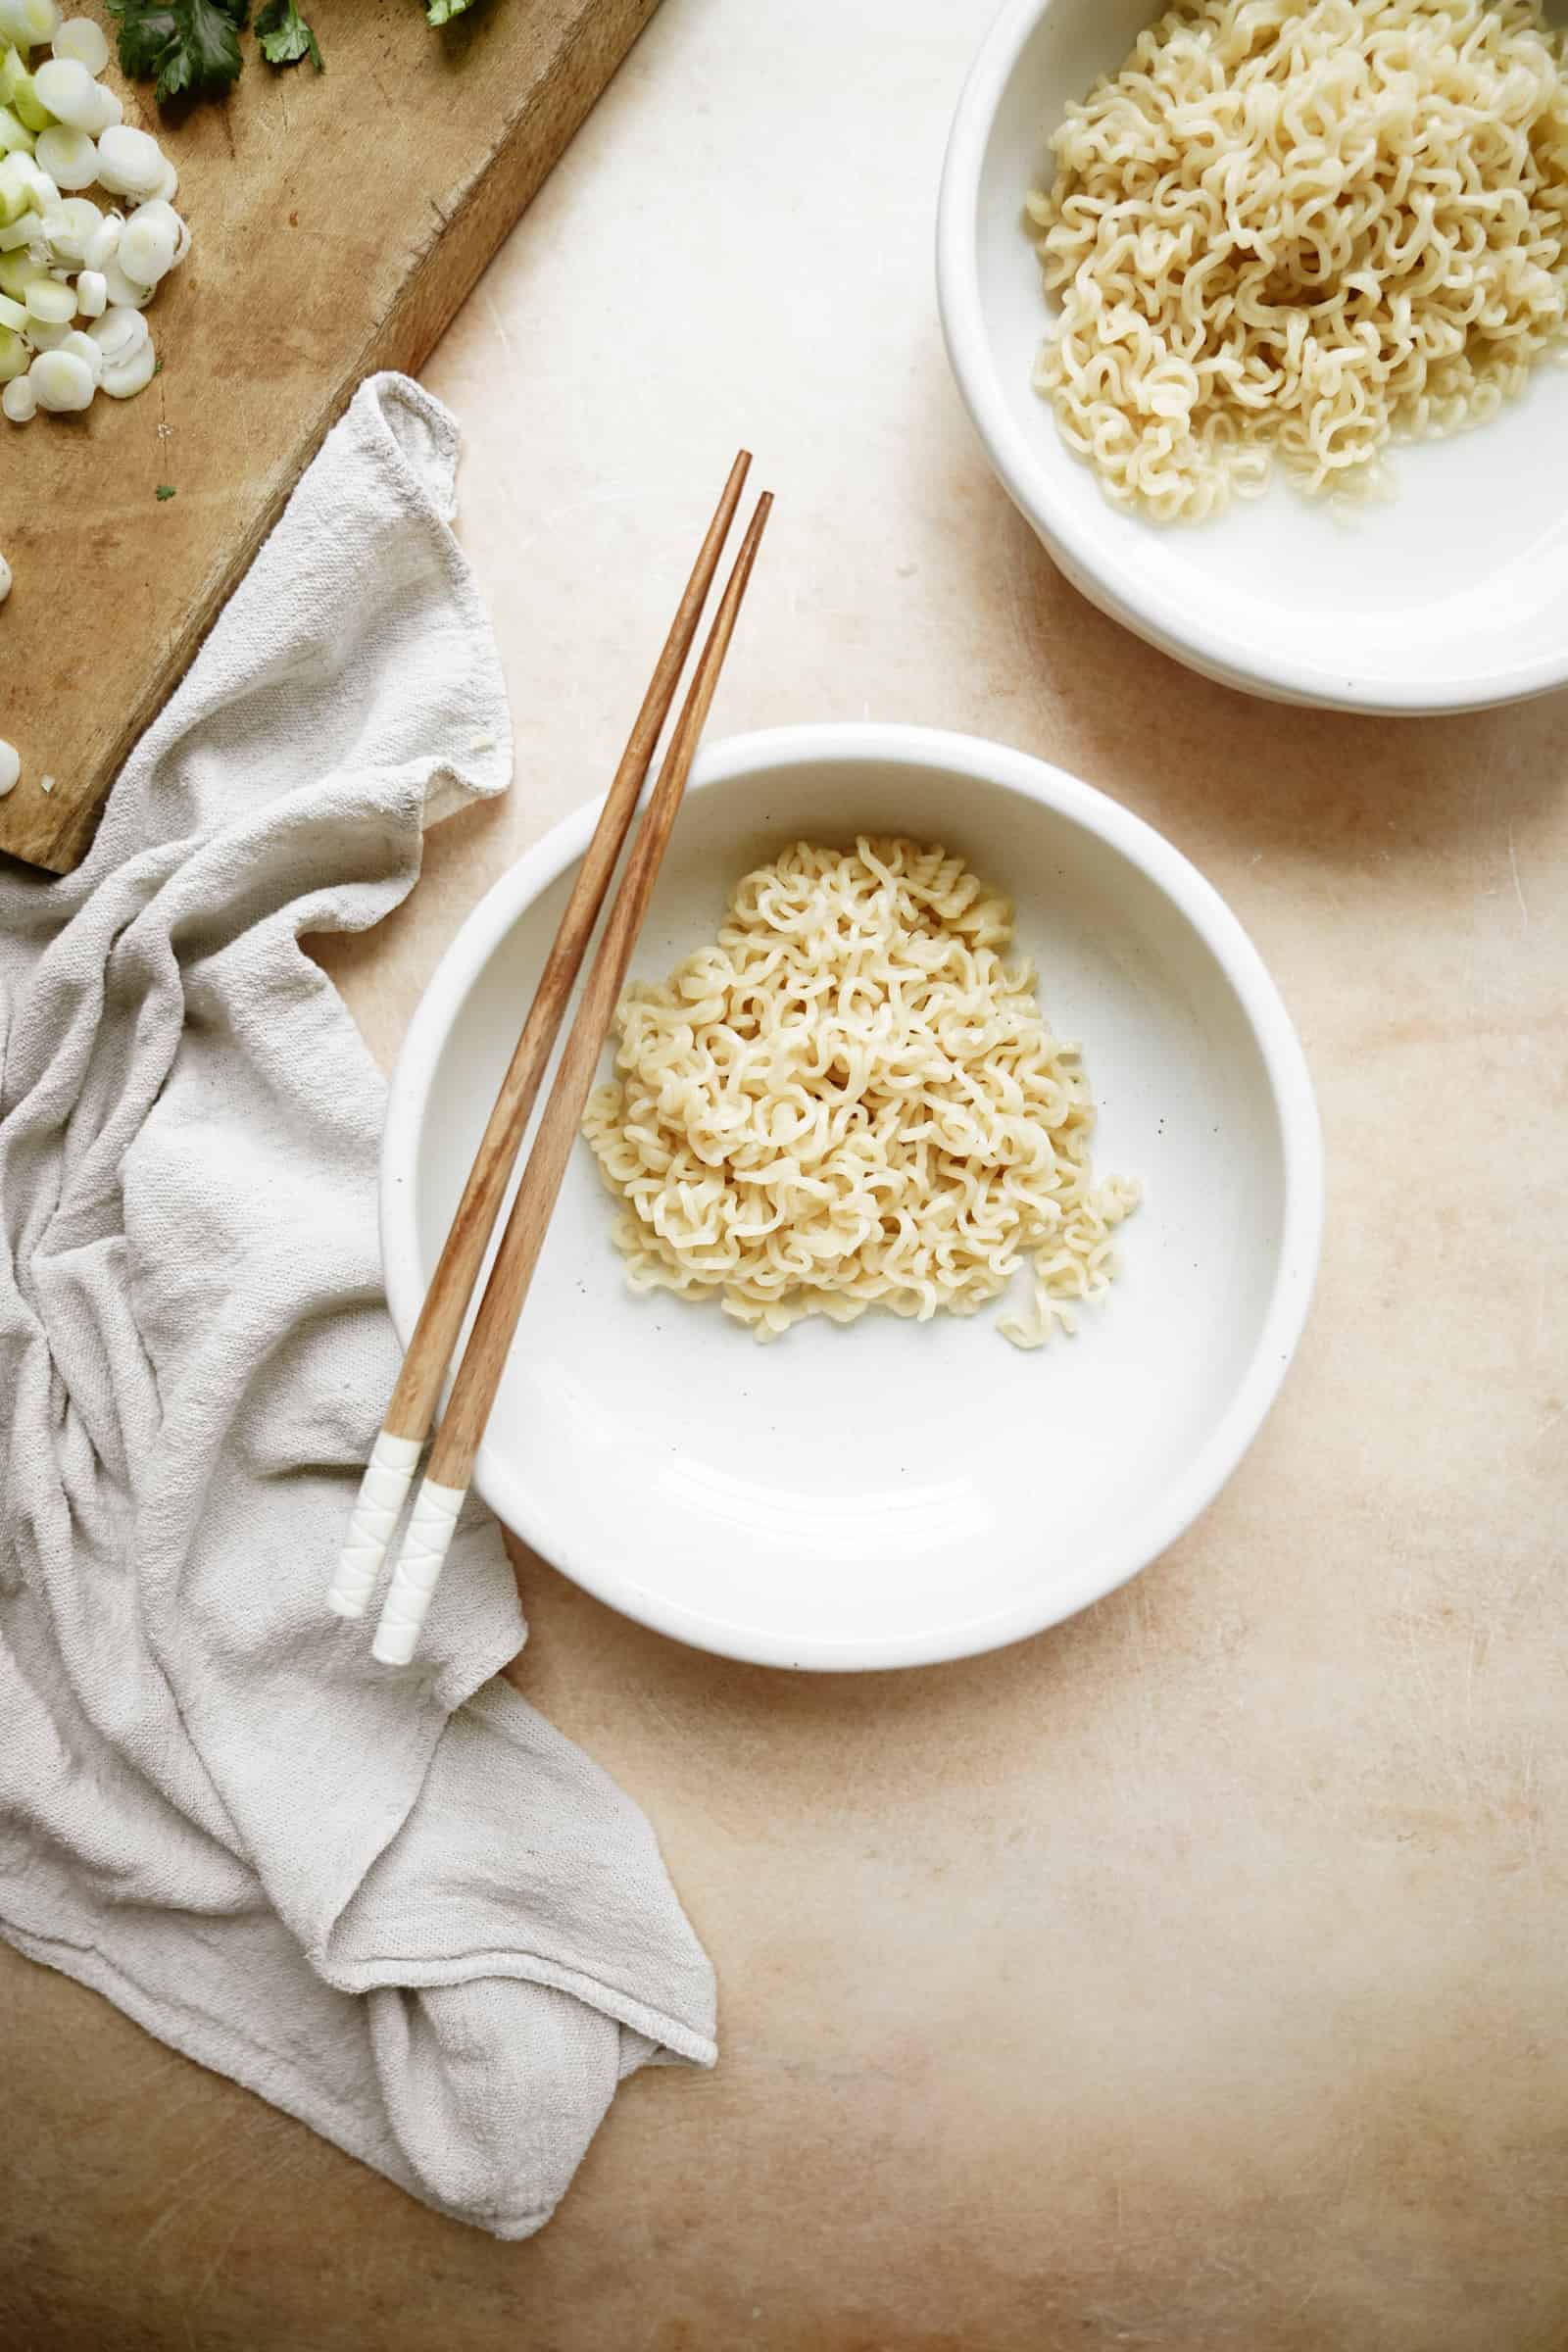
(418, 1572)
(383, 1491)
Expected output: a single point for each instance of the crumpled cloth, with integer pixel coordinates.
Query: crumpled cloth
(398, 1904)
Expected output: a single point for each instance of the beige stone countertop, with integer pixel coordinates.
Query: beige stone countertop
(1195, 1975)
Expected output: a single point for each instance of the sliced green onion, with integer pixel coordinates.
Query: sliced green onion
(25, 103)
(45, 192)
(68, 156)
(67, 232)
(39, 189)
(17, 272)
(17, 91)
(79, 37)
(150, 244)
(62, 382)
(16, 189)
(130, 163)
(109, 111)
(86, 350)
(28, 20)
(159, 208)
(69, 91)
(73, 279)
(49, 298)
(119, 333)
(127, 292)
(104, 243)
(123, 379)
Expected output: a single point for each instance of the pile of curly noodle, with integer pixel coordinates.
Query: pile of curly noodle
(852, 1100)
(1303, 229)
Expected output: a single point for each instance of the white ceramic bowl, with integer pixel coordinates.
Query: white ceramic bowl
(893, 1493)
(1452, 596)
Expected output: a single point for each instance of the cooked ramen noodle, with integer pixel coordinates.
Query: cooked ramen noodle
(1303, 229)
(852, 1100)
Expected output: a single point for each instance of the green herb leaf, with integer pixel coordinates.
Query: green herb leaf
(284, 36)
(442, 12)
(162, 491)
(190, 46)
(146, 34)
(210, 59)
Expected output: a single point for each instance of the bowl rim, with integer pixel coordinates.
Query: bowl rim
(872, 743)
(1165, 620)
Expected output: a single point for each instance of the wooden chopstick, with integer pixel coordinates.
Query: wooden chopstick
(395, 1455)
(457, 1442)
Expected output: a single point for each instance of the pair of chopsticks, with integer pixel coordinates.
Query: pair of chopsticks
(412, 1411)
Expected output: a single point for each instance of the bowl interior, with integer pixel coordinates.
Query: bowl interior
(1455, 591)
(891, 1492)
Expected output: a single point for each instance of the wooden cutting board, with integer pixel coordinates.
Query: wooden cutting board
(338, 222)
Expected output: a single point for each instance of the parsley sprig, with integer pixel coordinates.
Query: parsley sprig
(190, 48)
(284, 36)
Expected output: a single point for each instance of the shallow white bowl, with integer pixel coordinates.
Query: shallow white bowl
(893, 1493)
(1452, 596)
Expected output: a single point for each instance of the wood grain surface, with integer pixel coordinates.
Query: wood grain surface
(338, 220)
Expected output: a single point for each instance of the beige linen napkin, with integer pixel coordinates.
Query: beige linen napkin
(398, 1904)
